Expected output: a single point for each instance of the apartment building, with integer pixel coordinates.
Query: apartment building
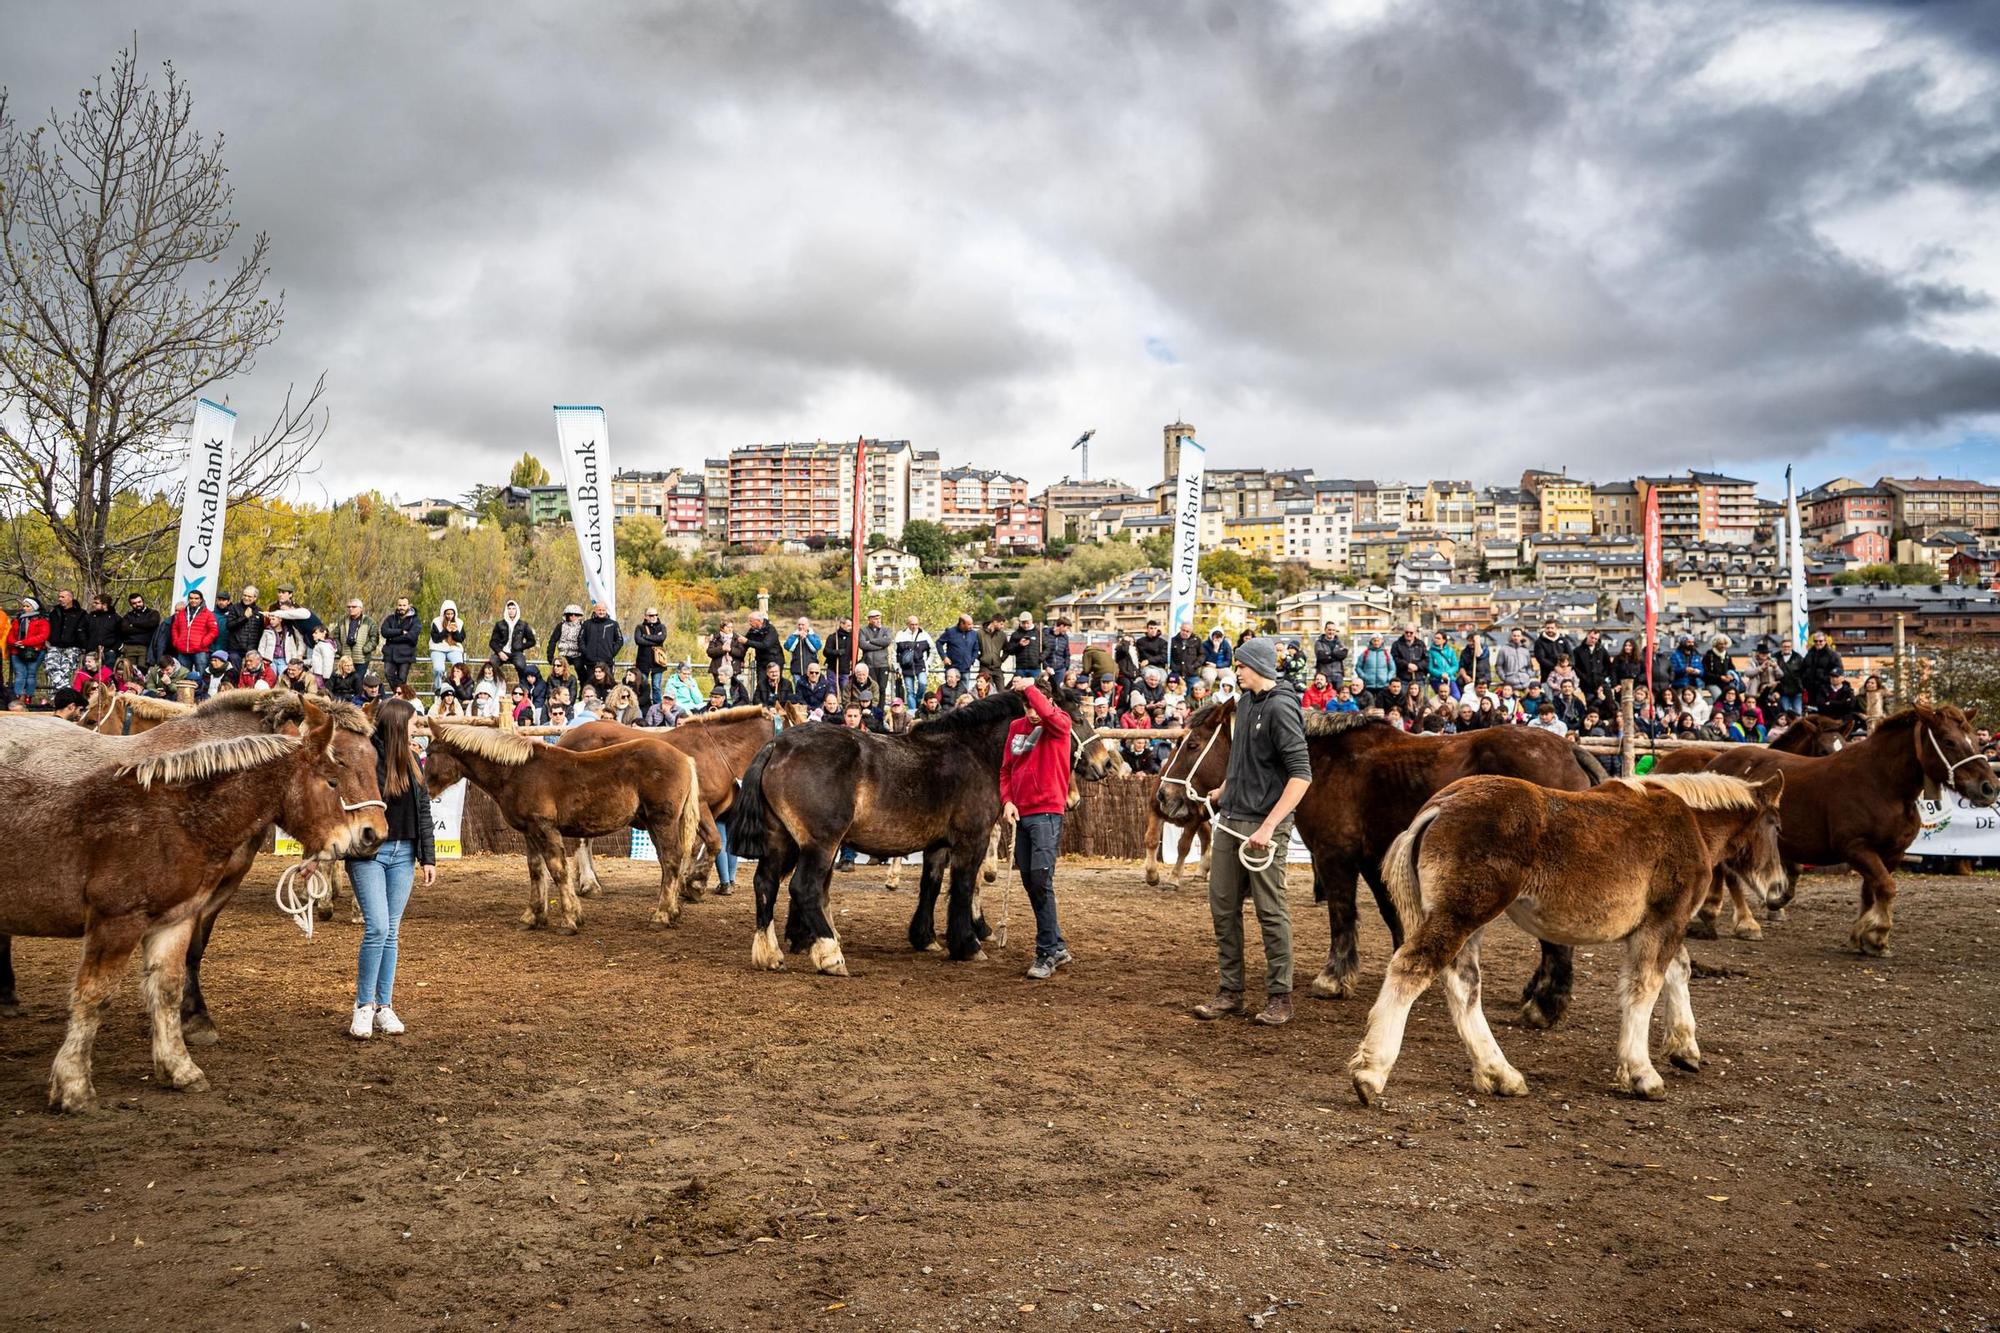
(795, 491)
(715, 491)
(1124, 605)
(678, 500)
(1564, 503)
(971, 497)
(1614, 509)
(1452, 507)
(926, 486)
(1020, 525)
(1506, 514)
(1920, 506)
(1865, 616)
(1260, 536)
(1317, 539)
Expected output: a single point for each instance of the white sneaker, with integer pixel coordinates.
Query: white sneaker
(386, 1021)
(363, 1025)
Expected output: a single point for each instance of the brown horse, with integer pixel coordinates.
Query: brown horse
(1814, 734)
(548, 794)
(1369, 780)
(1622, 864)
(225, 716)
(147, 842)
(1193, 828)
(1860, 806)
(112, 712)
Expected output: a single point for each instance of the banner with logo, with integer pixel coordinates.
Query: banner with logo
(1187, 537)
(447, 827)
(1953, 828)
(1797, 565)
(1652, 547)
(204, 502)
(584, 440)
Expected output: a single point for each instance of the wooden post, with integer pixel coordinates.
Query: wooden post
(1902, 668)
(1628, 732)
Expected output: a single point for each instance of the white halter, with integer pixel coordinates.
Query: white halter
(1949, 767)
(1243, 853)
(299, 904)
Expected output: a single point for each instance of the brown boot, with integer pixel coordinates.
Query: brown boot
(1277, 1011)
(1226, 1002)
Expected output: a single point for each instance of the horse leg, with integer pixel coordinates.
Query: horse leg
(1681, 1047)
(1744, 923)
(765, 955)
(559, 877)
(923, 921)
(197, 1028)
(1186, 844)
(894, 879)
(1490, 1070)
(1702, 927)
(1545, 999)
(1155, 830)
(105, 950)
(989, 869)
(587, 883)
(1335, 885)
(165, 952)
(537, 913)
(668, 910)
(1420, 959)
(10, 1004)
(961, 934)
(1384, 904)
(1878, 904)
(695, 882)
(1639, 982)
(811, 883)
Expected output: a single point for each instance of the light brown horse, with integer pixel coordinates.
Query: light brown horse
(224, 716)
(113, 712)
(1369, 780)
(1622, 864)
(1194, 827)
(548, 794)
(146, 842)
(1860, 806)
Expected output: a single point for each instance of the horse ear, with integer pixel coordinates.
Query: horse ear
(1848, 724)
(1971, 711)
(1770, 789)
(319, 729)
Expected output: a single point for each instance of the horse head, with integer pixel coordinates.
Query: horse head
(1949, 755)
(102, 697)
(1096, 757)
(441, 771)
(332, 802)
(1198, 764)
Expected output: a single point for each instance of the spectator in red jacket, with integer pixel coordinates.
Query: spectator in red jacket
(31, 645)
(1034, 784)
(256, 673)
(193, 632)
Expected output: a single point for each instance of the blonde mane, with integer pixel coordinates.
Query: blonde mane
(277, 708)
(210, 759)
(154, 710)
(1701, 791)
(489, 743)
(735, 714)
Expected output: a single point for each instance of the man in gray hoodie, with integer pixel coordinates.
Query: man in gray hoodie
(1515, 661)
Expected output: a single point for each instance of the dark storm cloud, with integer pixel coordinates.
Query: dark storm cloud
(1438, 234)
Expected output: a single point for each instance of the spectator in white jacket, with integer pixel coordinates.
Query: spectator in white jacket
(913, 648)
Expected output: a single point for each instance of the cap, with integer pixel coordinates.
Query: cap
(873, 614)
(572, 610)
(1259, 656)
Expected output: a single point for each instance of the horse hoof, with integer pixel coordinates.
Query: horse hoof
(1749, 930)
(199, 1030)
(356, 919)
(566, 927)
(74, 1100)
(1650, 1088)
(660, 920)
(1502, 1082)
(1325, 987)
(199, 1083)
(1701, 929)
(1689, 1060)
(1152, 878)
(590, 890)
(1774, 914)
(691, 893)
(827, 959)
(10, 1008)
(1368, 1085)
(1534, 1016)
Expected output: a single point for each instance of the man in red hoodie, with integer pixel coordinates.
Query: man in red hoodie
(1034, 785)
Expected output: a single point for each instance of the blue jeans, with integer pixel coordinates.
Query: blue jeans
(1036, 838)
(26, 667)
(725, 860)
(1793, 703)
(382, 887)
(656, 685)
(913, 690)
(440, 659)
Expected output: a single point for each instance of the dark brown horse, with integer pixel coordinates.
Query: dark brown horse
(1369, 780)
(146, 842)
(1860, 806)
(1622, 864)
(1814, 734)
(225, 716)
(548, 794)
(934, 789)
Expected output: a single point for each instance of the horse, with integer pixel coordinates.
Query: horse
(934, 789)
(147, 841)
(548, 794)
(1814, 734)
(114, 712)
(224, 716)
(1860, 805)
(1369, 780)
(1196, 826)
(1624, 863)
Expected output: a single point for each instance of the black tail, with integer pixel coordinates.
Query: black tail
(1587, 761)
(745, 819)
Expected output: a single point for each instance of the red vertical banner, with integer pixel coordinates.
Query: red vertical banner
(859, 539)
(1652, 544)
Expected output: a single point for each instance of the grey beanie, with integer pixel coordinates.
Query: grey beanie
(1259, 656)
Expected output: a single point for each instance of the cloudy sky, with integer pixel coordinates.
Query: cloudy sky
(1369, 237)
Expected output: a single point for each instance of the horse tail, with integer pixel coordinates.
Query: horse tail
(745, 820)
(1399, 869)
(687, 826)
(1587, 761)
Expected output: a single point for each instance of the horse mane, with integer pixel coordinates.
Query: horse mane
(155, 710)
(489, 743)
(975, 716)
(1700, 791)
(278, 708)
(1319, 722)
(736, 714)
(210, 759)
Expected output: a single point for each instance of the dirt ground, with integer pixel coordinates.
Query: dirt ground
(631, 1128)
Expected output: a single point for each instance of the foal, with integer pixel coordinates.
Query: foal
(1625, 862)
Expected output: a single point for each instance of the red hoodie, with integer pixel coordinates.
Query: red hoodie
(1036, 779)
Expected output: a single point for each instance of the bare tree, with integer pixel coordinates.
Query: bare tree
(107, 332)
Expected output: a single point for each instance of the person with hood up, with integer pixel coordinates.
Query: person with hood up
(511, 641)
(447, 639)
(1515, 661)
(1216, 652)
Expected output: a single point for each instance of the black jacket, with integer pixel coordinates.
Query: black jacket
(1330, 657)
(839, 645)
(1184, 655)
(101, 631)
(600, 639)
(1412, 659)
(245, 628)
(1025, 647)
(67, 627)
(1269, 750)
(409, 813)
(135, 628)
(399, 636)
(1153, 650)
(516, 645)
(1593, 667)
(650, 639)
(764, 641)
(1547, 650)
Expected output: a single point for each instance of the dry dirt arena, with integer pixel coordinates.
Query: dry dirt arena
(631, 1129)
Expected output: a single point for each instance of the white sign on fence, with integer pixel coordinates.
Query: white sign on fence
(1954, 828)
(1170, 846)
(447, 827)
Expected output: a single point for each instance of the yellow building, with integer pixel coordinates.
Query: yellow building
(1258, 535)
(1566, 506)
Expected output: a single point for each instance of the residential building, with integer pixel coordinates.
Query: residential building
(1614, 509)
(889, 567)
(1420, 573)
(1398, 503)
(971, 497)
(548, 504)
(1019, 525)
(715, 494)
(1070, 505)
(1356, 497)
(1373, 550)
(1976, 566)
(1842, 509)
(1564, 502)
(641, 493)
(1260, 536)
(926, 486)
(1351, 612)
(796, 491)
(1920, 506)
(1458, 607)
(1452, 507)
(1505, 514)
(1864, 617)
(1124, 605)
(1315, 538)
(1679, 504)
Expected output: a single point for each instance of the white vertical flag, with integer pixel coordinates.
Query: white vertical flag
(1187, 536)
(204, 502)
(585, 441)
(1796, 559)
